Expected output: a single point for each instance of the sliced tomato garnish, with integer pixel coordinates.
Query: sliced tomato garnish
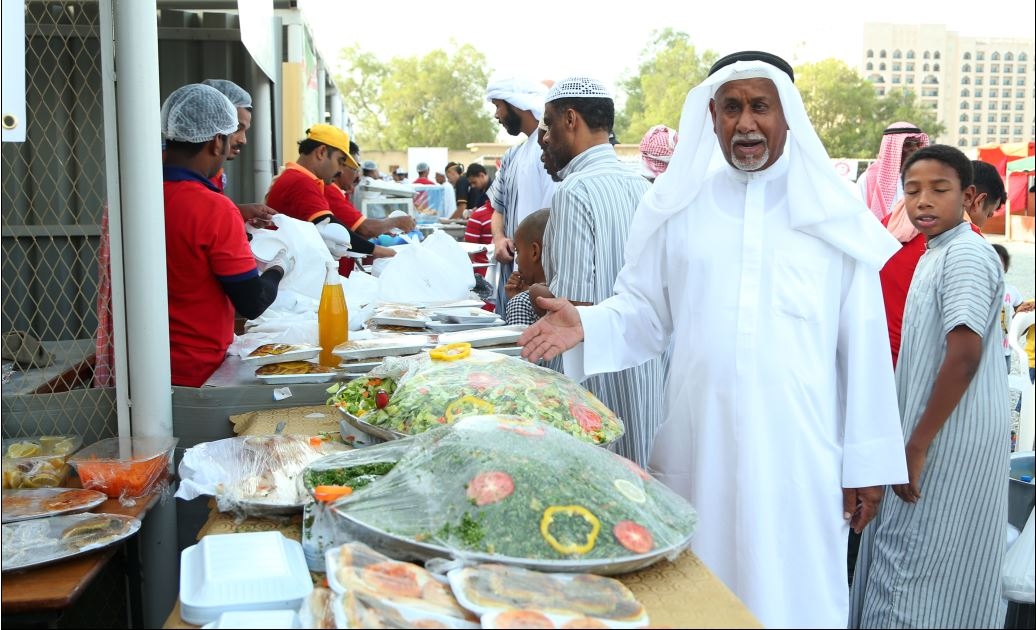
(633, 536)
(490, 487)
(481, 380)
(589, 420)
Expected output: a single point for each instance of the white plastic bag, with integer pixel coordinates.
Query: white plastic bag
(1019, 571)
(433, 272)
(302, 241)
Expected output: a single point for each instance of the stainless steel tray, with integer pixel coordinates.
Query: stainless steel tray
(401, 548)
(39, 542)
(374, 431)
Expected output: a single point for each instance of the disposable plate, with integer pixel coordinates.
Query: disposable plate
(387, 346)
(495, 336)
(23, 505)
(44, 541)
(445, 327)
(287, 379)
(254, 571)
(291, 352)
(465, 316)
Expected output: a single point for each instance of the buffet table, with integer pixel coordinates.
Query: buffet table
(41, 595)
(681, 593)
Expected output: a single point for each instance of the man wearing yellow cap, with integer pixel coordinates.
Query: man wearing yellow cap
(299, 190)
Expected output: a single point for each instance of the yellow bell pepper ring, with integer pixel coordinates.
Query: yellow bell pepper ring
(569, 510)
(451, 352)
(458, 407)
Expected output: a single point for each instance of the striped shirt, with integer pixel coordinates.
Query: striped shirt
(522, 186)
(936, 563)
(583, 245)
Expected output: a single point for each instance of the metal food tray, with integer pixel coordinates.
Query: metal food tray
(374, 431)
(381, 347)
(446, 327)
(302, 353)
(38, 542)
(465, 316)
(495, 336)
(401, 548)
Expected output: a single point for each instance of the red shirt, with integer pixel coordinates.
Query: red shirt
(424, 181)
(205, 242)
(298, 193)
(480, 230)
(346, 212)
(895, 284)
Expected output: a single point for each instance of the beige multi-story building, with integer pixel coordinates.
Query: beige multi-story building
(981, 88)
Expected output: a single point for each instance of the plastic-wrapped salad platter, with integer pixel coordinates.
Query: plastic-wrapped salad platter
(513, 491)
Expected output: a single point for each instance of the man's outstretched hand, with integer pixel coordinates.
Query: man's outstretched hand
(559, 330)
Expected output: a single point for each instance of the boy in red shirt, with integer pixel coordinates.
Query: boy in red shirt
(480, 230)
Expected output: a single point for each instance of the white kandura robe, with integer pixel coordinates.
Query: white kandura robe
(781, 390)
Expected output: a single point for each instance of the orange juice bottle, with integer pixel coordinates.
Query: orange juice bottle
(332, 316)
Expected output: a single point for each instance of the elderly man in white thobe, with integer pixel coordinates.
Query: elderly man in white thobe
(762, 266)
(521, 186)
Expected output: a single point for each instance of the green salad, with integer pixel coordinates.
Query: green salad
(361, 396)
(440, 392)
(511, 487)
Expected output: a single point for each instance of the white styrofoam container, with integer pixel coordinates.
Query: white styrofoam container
(242, 572)
(287, 619)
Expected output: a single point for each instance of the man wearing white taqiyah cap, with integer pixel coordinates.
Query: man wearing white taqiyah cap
(782, 423)
(211, 271)
(521, 186)
(590, 219)
(258, 214)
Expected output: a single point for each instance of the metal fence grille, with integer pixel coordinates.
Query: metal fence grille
(54, 191)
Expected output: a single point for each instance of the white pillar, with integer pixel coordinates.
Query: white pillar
(336, 108)
(321, 95)
(143, 243)
(260, 140)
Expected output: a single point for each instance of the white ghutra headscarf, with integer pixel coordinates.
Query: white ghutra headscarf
(521, 94)
(821, 203)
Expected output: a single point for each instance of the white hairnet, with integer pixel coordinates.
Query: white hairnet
(820, 201)
(519, 93)
(197, 113)
(237, 95)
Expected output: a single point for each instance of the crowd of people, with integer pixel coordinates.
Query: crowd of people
(783, 347)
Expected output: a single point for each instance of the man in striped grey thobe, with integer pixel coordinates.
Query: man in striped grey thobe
(590, 217)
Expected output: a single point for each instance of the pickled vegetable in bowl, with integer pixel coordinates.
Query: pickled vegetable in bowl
(124, 467)
(37, 462)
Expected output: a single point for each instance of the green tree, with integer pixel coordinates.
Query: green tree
(847, 113)
(670, 66)
(434, 100)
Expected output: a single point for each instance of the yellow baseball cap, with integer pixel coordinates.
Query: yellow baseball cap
(333, 137)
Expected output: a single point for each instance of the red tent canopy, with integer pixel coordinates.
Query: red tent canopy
(1000, 154)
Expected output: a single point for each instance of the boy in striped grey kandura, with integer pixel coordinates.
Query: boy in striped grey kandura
(585, 238)
(932, 557)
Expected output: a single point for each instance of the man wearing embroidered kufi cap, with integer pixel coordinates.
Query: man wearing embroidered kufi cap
(761, 266)
(590, 219)
(521, 186)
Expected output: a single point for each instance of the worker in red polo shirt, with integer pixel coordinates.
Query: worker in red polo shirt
(210, 268)
(299, 190)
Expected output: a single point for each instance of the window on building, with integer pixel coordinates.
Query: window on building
(992, 105)
(965, 93)
(1019, 106)
(933, 105)
(1019, 93)
(1017, 131)
(994, 80)
(1008, 56)
(991, 130)
(881, 91)
(1017, 118)
(1005, 118)
(925, 68)
(896, 54)
(990, 118)
(895, 79)
(1021, 80)
(910, 66)
(994, 67)
(995, 56)
(967, 56)
(935, 55)
(870, 53)
(978, 92)
(980, 67)
(910, 79)
(1005, 105)
(1008, 68)
(930, 92)
(962, 129)
(1023, 57)
(935, 68)
(976, 130)
(978, 105)
(1004, 130)
(965, 81)
(1007, 81)
(963, 142)
(881, 67)
(896, 66)
(974, 142)
(870, 66)
(966, 68)
(980, 56)
(927, 55)
(931, 80)
(976, 118)
(881, 53)
(992, 93)
(978, 80)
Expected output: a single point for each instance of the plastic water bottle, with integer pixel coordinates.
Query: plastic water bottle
(332, 316)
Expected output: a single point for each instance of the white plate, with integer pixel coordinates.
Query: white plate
(361, 366)
(257, 619)
(387, 346)
(287, 379)
(304, 352)
(465, 316)
(511, 351)
(442, 327)
(235, 572)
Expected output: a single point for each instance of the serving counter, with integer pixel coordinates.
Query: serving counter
(681, 593)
